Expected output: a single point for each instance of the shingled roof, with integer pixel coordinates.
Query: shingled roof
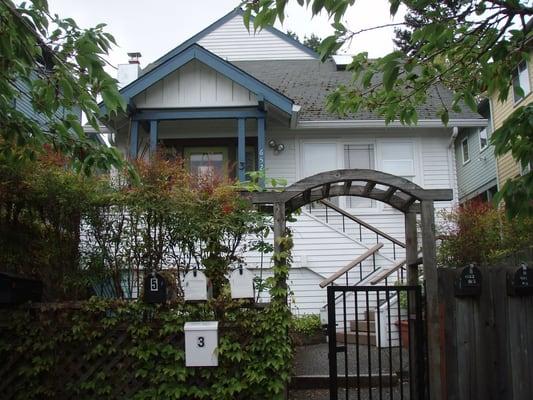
(308, 82)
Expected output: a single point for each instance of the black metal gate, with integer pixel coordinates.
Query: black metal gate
(377, 346)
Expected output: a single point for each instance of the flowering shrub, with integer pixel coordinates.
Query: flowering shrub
(163, 217)
(479, 233)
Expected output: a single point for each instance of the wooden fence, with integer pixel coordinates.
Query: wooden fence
(486, 340)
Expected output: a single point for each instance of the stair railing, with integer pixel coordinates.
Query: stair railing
(398, 267)
(361, 224)
(358, 261)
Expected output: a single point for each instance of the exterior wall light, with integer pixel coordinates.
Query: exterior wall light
(278, 147)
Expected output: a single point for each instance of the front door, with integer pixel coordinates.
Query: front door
(207, 162)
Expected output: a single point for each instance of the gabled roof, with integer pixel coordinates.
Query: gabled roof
(197, 52)
(308, 83)
(237, 11)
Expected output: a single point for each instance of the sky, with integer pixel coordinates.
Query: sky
(154, 27)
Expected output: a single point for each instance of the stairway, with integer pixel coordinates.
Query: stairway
(362, 331)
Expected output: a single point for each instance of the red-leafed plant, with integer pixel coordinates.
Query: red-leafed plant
(477, 232)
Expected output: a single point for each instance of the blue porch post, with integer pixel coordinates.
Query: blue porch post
(153, 137)
(241, 149)
(134, 139)
(261, 147)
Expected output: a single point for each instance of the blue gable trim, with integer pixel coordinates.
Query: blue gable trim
(162, 114)
(225, 68)
(221, 22)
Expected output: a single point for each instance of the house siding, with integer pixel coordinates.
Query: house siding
(195, 85)
(474, 176)
(23, 104)
(433, 166)
(508, 168)
(233, 42)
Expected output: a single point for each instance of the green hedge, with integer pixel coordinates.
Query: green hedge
(128, 350)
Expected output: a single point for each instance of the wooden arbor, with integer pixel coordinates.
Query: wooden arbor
(397, 192)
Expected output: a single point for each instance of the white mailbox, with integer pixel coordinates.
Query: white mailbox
(201, 342)
(242, 284)
(195, 286)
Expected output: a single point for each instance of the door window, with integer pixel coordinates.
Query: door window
(206, 162)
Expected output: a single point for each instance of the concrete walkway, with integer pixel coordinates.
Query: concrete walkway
(313, 360)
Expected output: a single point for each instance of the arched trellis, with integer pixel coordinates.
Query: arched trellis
(399, 193)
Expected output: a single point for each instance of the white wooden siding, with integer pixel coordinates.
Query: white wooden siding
(195, 85)
(319, 251)
(433, 167)
(233, 42)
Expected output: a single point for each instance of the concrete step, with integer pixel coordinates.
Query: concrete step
(305, 382)
(370, 315)
(363, 326)
(351, 338)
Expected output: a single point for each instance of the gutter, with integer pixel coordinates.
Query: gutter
(370, 123)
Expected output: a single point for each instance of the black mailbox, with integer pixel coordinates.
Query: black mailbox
(468, 284)
(520, 281)
(155, 288)
(16, 289)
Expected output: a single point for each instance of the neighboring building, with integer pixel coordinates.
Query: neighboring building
(475, 161)
(228, 101)
(508, 167)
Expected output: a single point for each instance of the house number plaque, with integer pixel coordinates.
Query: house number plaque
(520, 281)
(468, 284)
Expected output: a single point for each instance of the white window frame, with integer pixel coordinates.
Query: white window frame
(524, 171)
(467, 160)
(377, 204)
(481, 147)
(527, 89)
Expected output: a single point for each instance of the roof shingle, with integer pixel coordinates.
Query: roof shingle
(308, 82)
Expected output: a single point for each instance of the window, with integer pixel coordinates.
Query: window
(464, 147)
(359, 156)
(206, 162)
(318, 157)
(483, 139)
(398, 158)
(521, 86)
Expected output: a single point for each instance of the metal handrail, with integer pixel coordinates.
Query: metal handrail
(361, 223)
(352, 264)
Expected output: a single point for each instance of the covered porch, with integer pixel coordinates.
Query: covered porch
(227, 141)
(203, 107)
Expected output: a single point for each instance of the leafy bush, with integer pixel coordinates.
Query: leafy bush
(481, 234)
(306, 324)
(71, 230)
(41, 206)
(163, 217)
(116, 350)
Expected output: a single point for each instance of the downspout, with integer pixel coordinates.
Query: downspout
(453, 164)
(455, 133)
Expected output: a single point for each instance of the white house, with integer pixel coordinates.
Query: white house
(256, 101)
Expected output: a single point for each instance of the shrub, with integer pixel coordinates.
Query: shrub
(479, 233)
(41, 205)
(306, 324)
(111, 349)
(162, 217)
